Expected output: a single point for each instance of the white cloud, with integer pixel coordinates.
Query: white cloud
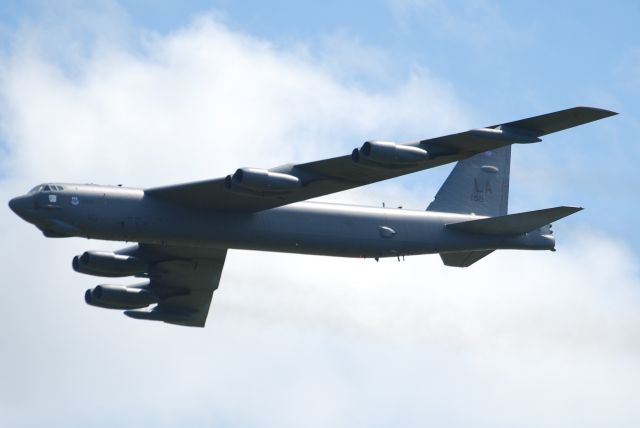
(197, 99)
(519, 339)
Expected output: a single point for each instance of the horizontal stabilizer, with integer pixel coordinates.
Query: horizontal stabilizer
(514, 224)
(463, 258)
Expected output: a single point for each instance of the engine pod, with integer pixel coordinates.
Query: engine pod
(255, 180)
(106, 263)
(119, 297)
(386, 153)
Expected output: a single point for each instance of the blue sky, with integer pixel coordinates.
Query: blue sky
(148, 93)
(503, 61)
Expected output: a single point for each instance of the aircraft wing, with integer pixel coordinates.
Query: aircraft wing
(293, 183)
(184, 278)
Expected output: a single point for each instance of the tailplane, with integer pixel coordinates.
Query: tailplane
(514, 224)
(463, 258)
(505, 226)
(479, 185)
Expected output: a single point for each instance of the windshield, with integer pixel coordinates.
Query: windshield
(46, 188)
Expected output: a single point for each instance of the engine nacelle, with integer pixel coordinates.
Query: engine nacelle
(119, 297)
(254, 180)
(385, 153)
(106, 263)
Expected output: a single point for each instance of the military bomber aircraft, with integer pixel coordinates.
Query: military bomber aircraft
(184, 231)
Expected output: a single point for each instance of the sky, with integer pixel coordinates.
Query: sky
(149, 93)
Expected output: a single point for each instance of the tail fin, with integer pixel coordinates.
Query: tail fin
(478, 185)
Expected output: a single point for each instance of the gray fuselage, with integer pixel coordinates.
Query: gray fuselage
(127, 214)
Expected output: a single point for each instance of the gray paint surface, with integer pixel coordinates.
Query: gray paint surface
(184, 231)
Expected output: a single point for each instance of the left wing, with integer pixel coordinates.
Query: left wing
(251, 190)
(184, 278)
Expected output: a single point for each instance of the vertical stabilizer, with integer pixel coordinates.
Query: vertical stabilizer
(478, 185)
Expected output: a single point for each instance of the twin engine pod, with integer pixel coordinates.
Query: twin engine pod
(120, 297)
(385, 154)
(257, 181)
(106, 263)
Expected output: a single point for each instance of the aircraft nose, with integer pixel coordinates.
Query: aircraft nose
(19, 205)
(13, 204)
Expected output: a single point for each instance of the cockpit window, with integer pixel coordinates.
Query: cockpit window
(46, 188)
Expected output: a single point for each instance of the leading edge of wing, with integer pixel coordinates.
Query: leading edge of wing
(333, 175)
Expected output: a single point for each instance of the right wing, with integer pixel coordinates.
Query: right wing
(184, 278)
(319, 178)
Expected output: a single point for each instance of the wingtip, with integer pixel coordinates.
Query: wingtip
(571, 209)
(575, 209)
(601, 112)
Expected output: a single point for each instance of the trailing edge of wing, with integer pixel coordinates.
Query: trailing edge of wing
(514, 224)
